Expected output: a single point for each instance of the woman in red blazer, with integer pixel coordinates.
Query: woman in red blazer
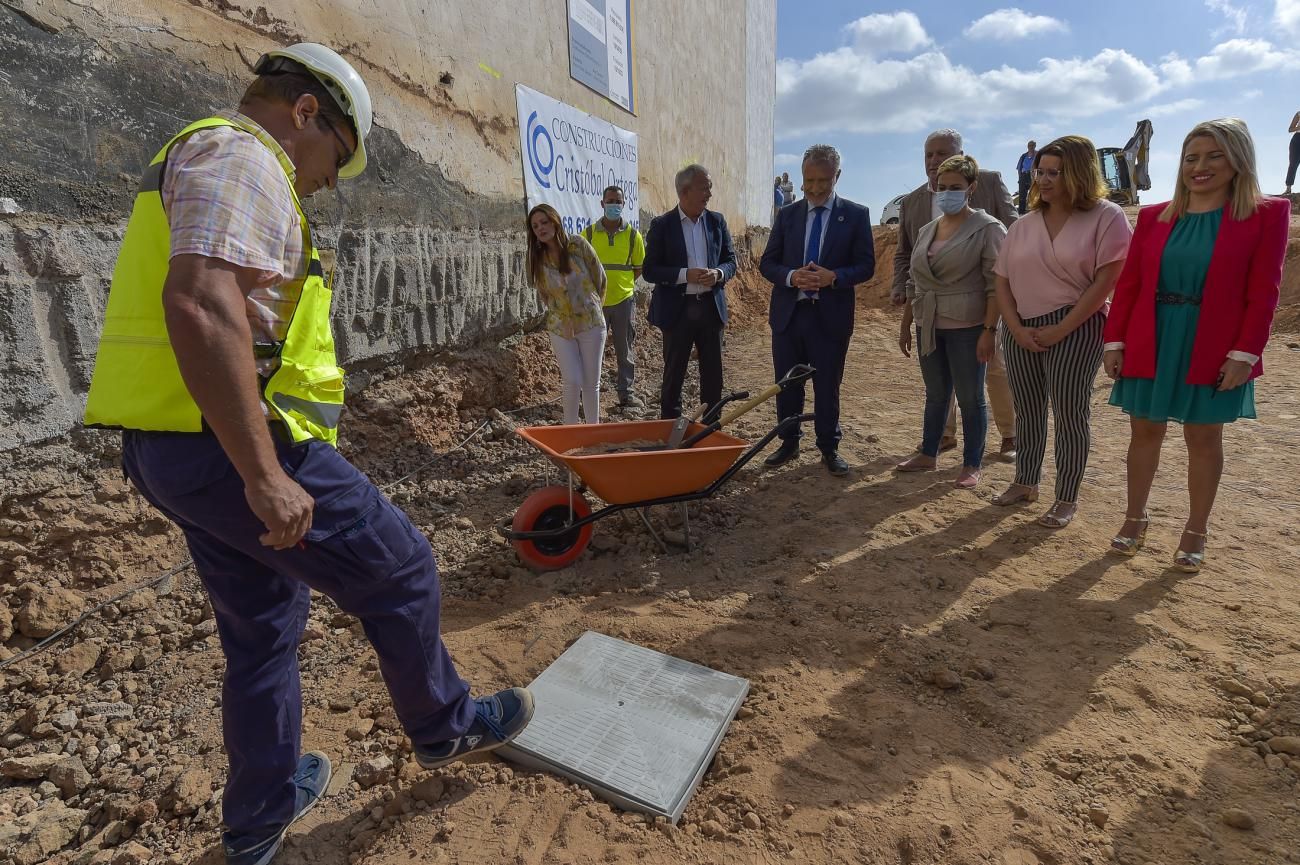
(1192, 312)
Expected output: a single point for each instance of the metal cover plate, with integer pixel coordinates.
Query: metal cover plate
(636, 726)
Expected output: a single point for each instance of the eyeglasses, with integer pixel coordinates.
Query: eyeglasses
(347, 153)
(1049, 173)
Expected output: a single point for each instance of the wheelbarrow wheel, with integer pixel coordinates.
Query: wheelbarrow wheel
(545, 510)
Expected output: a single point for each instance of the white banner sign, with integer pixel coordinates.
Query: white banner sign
(570, 157)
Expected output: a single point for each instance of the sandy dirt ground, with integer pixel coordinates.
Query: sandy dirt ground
(934, 679)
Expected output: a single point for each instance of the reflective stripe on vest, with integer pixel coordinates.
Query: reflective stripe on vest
(137, 382)
(627, 265)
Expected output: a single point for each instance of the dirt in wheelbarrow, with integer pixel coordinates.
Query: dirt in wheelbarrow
(934, 679)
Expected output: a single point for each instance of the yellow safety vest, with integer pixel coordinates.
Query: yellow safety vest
(137, 383)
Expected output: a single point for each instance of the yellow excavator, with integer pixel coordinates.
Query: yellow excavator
(1126, 168)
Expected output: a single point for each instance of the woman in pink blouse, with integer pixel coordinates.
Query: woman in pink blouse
(571, 282)
(1056, 269)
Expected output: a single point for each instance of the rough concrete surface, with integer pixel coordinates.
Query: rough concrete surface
(430, 240)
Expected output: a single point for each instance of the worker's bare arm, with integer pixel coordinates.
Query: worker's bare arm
(203, 301)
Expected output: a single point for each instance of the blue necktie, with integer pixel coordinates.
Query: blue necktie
(814, 244)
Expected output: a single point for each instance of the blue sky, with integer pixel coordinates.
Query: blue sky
(873, 78)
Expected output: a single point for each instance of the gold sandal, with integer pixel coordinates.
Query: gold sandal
(1190, 562)
(1015, 494)
(1128, 546)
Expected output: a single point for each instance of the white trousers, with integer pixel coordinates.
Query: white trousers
(580, 360)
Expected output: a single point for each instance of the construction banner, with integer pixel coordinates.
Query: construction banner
(570, 157)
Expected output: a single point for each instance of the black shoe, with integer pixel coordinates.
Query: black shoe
(835, 464)
(788, 450)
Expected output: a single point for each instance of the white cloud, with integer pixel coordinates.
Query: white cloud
(1287, 15)
(1176, 70)
(1010, 24)
(1252, 94)
(887, 33)
(1238, 57)
(1236, 16)
(841, 90)
(1171, 108)
(787, 159)
(852, 90)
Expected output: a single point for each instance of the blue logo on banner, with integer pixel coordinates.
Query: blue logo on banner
(540, 171)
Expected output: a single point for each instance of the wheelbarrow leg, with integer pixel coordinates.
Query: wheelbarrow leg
(686, 526)
(640, 512)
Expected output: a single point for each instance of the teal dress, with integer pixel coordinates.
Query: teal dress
(1168, 396)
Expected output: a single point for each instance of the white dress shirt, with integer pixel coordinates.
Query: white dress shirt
(807, 235)
(696, 236)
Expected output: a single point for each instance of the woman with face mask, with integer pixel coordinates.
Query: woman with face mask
(955, 311)
(570, 280)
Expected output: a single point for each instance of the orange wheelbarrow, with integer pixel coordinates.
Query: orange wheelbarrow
(554, 525)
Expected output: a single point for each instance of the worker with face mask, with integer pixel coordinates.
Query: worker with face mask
(621, 249)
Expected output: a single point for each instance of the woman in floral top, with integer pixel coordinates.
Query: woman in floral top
(570, 280)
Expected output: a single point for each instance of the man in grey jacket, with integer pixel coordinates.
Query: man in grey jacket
(918, 209)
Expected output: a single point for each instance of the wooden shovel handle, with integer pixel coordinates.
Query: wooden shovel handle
(748, 405)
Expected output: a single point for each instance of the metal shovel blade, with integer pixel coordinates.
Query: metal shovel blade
(679, 430)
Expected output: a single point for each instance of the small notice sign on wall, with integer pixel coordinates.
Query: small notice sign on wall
(600, 49)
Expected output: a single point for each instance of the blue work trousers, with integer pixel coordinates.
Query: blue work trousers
(954, 365)
(361, 551)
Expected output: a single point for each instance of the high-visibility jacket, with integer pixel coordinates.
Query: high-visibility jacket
(621, 254)
(137, 383)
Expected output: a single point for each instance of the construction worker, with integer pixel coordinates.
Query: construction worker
(217, 362)
(621, 249)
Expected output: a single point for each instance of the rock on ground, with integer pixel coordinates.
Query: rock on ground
(47, 611)
(191, 791)
(41, 833)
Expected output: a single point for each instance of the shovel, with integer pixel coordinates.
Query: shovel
(797, 375)
(679, 428)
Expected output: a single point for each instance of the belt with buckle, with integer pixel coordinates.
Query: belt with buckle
(1175, 299)
(700, 295)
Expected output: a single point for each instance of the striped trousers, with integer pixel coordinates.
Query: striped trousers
(1063, 377)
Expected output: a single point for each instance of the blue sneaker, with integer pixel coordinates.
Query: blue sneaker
(311, 779)
(497, 719)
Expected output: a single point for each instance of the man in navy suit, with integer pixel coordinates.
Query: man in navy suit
(819, 250)
(689, 259)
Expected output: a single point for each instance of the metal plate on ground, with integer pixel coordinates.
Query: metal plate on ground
(637, 727)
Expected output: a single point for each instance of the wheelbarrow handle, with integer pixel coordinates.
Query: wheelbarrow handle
(797, 375)
(750, 404)
(736, 411)
(716, 409)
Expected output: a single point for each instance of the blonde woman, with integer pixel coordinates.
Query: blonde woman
(955, 306)
(1192, 313)
(571, 282)
(1056, 269)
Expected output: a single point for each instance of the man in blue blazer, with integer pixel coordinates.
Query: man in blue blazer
(820, 248)
(689, 258)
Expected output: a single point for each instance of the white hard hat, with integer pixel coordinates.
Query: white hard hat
(342, 82)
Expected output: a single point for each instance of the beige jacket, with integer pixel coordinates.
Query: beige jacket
(991, 196)
(958, 280)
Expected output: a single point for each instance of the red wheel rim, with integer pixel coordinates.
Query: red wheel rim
(549, 508)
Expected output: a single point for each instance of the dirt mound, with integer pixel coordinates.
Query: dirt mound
(933, 679)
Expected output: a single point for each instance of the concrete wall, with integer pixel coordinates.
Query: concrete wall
(430, 238)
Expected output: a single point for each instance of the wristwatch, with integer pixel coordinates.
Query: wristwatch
(993, 329)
